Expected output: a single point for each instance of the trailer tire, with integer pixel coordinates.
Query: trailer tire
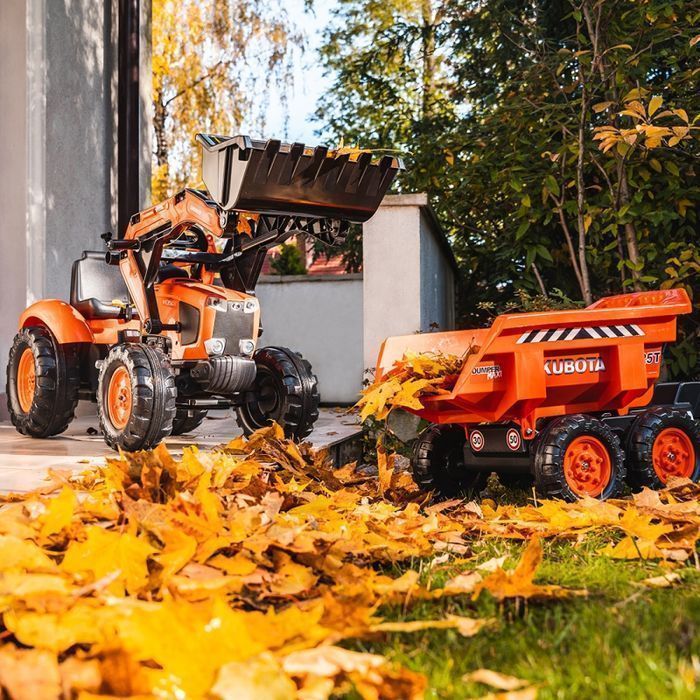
(185, 423)
(285, 391)
(577, 456)
(136, 397)
(663, 442)
(43, 378)
(437, 462)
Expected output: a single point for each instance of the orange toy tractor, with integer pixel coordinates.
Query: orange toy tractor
(165, 325)
(570, 396)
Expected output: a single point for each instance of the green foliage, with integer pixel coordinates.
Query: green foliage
(288, 261)
(495, 106)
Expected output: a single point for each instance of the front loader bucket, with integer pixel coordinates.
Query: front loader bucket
(271, 177)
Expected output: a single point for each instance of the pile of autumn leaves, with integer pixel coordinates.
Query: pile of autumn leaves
(410, 379)
(237, 573)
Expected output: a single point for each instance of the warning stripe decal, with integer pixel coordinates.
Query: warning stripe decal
(551, 335)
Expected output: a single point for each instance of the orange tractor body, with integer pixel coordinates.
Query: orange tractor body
(529, 370)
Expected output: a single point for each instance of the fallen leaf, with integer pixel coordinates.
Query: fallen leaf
(499, 681)
(502, 584)
(664, 581)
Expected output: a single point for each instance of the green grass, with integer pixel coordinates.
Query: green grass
(623, 641)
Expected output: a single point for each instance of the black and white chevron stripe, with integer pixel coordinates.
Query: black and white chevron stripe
(551, 335)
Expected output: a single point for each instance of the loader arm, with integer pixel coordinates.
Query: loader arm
(259, 193)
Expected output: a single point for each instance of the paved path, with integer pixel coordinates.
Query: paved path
(24, 461)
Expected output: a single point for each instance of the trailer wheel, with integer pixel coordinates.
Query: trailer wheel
(185, 423)
(663, 442)
(43, 378)
(437, 462)
(285, 391)
(135, 397)
(577, 456)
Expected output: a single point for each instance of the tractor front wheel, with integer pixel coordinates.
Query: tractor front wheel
(578, 456)
(437, 462)
(135, 397)
(43, 378)
(285, 391)
(663, 443)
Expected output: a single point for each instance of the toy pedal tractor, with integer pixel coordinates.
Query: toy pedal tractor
(165, 326)
(569, 396)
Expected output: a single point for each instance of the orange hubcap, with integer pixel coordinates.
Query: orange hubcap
(673, 454)
(119, 398)
(26, 380)
(587, 466)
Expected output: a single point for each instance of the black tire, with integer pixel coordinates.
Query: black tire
(185, 423)
(151, 382)
(551, 448)
(437, 462)
(285, 391)
(643, 435)
(57, 380)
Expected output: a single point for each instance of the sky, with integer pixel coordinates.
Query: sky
(309, 79)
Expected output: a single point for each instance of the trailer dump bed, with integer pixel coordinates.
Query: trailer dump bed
(526, 366)
(271, 177)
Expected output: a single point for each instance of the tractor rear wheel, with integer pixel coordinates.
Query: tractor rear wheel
(43, 378)
(437, 462)
(135, 397)
(578, 456)
(663, 442)
(186, 423)
(285, 391)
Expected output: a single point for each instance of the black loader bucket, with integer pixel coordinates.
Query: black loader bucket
(271, 177)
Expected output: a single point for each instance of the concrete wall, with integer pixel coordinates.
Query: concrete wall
(409, 272)
(321, 317)
(79, 128)
(437, 278)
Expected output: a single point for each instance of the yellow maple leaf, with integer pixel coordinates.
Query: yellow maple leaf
(104, 553)
(59, 512)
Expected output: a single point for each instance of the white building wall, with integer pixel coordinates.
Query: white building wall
(320, 317)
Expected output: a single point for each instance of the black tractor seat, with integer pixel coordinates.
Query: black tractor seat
(95, 285)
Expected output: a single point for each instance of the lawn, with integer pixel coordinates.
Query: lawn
(623, 640)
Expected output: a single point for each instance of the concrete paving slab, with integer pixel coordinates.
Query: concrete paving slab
(24, 461)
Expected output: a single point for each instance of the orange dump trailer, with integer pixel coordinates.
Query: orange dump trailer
(570, 395)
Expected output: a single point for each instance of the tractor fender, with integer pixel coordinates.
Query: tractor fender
(66, 323)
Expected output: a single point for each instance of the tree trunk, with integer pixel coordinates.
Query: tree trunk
(428, 52)
(160, 114)
(594, 31)
(630, 231)
(581, 195)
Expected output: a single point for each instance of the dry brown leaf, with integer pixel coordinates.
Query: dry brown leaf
(466, 626)
(494, 679)
(502, 584)
(29, 674)
(664, 581)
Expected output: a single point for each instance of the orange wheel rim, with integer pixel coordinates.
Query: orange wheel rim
(587, 466)
(673, 454)
(119, 399)
(26, 380)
